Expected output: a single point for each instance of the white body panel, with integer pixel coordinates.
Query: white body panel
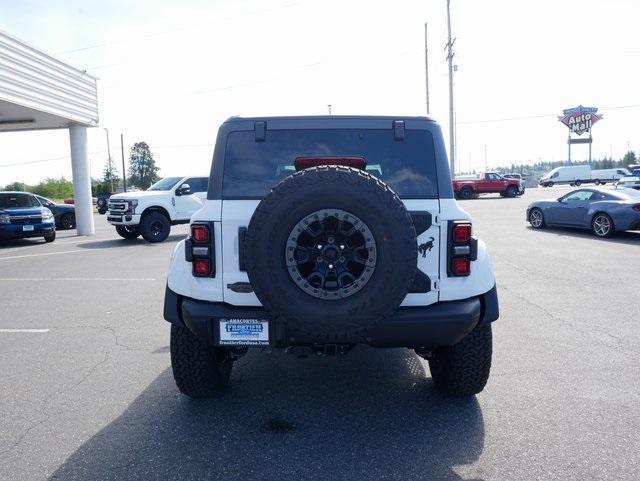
(179, 207)
(237, 213)
(568, 174)
(609, 174)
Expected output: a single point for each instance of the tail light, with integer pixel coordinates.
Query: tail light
(307, 162)
(200, 233)
(201, 267)
(636, 207)
(461, 266)
(463, 249)
(200, 250)
(461, 233)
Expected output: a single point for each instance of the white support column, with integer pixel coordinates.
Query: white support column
(81, 180)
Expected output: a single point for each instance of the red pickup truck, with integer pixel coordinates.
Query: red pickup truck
(488, 183)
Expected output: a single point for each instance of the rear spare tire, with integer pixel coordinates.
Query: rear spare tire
(330, 252)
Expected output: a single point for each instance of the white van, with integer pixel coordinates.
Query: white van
(570, 174)
(602, 176)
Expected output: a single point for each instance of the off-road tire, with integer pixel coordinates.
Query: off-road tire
(199, 370)
(127, 232)
(463, 369)
(155, 227)
(50, 237)
(466, 193)
(359, 194)
(512, 191)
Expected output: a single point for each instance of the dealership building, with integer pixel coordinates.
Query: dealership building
(40, 92)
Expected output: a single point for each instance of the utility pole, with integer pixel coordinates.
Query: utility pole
(124, 174)
(110, 161)
(426, 65)
(486, 165)
(450, 54)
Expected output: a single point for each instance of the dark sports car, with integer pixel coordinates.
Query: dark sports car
(603, 211)
(64, 214)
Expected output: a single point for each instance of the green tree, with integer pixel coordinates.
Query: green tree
(54, 188)
(20, 186)
(629, 158)
(110, 173)
(142, 168)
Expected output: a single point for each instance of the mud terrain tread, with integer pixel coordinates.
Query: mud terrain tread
(463, 369)
(196, 370)
(385, 196)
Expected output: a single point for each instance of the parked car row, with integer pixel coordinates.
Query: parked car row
(576, 175)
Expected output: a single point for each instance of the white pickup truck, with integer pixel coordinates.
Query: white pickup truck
(152, 212)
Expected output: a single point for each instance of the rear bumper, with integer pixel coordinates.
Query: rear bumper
(440, 324)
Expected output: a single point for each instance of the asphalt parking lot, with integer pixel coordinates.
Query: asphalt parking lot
(89, 394)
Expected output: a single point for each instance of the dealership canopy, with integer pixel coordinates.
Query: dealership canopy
(39, 92)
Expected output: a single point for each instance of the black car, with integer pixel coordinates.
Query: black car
(65, 214)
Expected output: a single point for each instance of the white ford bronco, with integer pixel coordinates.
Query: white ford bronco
(321, 233)
(152, 212)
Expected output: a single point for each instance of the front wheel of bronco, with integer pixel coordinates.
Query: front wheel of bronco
(199, 370)
(463, 369)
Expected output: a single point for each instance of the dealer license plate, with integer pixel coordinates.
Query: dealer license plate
(244, 332)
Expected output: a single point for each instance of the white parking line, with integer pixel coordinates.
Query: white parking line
(45, 254)
(25, 330)
(81, 279)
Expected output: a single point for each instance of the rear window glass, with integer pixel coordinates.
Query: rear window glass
(8, 201)
(252, 168)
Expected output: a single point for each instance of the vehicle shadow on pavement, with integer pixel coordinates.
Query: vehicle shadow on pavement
(117, 243)
(627, 237)
(6, 244)
(373, 414)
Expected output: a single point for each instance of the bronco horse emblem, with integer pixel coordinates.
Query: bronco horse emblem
(426, 246)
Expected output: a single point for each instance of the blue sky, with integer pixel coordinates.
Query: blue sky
(170, 72)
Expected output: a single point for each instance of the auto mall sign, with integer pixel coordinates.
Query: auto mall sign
(580, 119)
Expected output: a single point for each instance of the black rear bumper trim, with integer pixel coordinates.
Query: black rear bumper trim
(440, 324)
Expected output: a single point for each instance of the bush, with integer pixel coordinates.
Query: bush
(54, 188)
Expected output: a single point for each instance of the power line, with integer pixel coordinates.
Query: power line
(176, 29)
(49, 159)
(527, 117)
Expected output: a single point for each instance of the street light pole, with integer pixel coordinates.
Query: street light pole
(110, 161)
(450, 54)
(124, 172)
(426, 65)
